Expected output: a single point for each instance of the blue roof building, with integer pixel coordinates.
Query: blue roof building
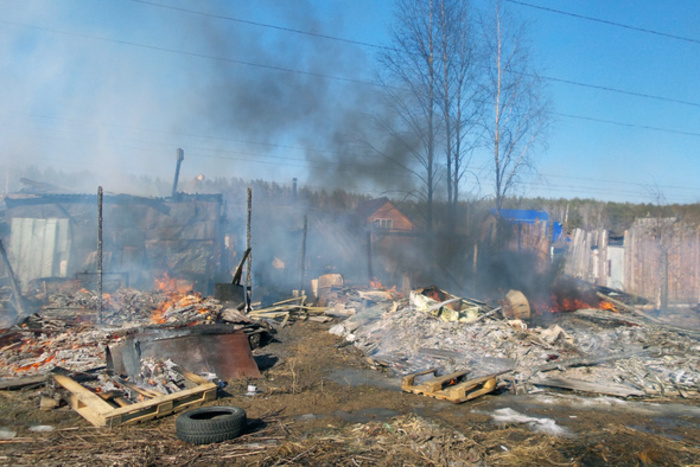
(529, 216)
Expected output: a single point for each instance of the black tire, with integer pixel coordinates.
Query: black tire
(210, 424)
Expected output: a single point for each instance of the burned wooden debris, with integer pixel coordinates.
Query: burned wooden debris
(146, 333)
(154, 353)
(608, 350)
(138, 369)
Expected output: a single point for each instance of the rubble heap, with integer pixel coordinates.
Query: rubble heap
(623, 357)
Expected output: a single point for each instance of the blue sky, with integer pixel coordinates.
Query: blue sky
(117, 86)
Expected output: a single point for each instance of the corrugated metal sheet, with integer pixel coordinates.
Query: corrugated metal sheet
(39, 248)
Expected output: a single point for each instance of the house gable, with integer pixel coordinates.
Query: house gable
(384, 215)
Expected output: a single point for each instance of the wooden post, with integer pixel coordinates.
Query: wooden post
(249, 271)
(406, 284)
(302, 263)
(369, 255)
(180, 158)
(664, 281)
(99, 255)
(13, 281)
(475, 266)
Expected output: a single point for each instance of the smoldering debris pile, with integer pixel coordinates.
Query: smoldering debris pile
(40, 345)
(131, 306)
(66, 336)
(126, 305)
(123, 367)
(621, 356)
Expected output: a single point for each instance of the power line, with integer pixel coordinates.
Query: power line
(320, 75)
(191, 54)
(596, 184)
(609, 23)
(619, 182)
(264, 25)
(621, 91)
(349, 150)
(629, 125)
(366, 44)
(305, 149)
(331, 77)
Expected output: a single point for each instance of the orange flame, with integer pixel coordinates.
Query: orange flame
(564, 304)
(392, 293)
(177, 294)
(37, 364)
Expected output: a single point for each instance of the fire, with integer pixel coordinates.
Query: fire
(36, 365)
(180, 298)
(178, 294)
(392, 293)
(559, 304)
(572, 304)
(434, 295)
(173, 287)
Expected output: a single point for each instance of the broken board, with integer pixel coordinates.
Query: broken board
(100, 413)
(610, 389)
(449, 387)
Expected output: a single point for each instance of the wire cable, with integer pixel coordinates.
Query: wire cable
(191, 54)
(264, 25)
(629, 125)
(609, 23)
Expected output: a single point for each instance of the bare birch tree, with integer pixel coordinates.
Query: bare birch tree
(409, 73)
(432, 90)
(458, 92)
(517, 112)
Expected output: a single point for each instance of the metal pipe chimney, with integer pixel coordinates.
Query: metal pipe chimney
(180, 158)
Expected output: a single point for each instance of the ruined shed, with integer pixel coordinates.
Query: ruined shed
(522, 231)
(55, 236)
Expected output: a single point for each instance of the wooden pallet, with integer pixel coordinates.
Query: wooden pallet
(449, 387)
(100, 413)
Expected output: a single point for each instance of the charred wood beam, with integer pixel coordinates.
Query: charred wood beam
(584, 361)
(627, 307)
(180, 158)
(156, 203)
(302, 260)
(600, 315)
(238, 273)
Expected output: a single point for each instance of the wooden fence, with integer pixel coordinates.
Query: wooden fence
(661, 260)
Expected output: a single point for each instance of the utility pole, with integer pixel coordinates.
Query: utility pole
(99, 255)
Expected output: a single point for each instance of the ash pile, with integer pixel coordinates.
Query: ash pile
(611, 347)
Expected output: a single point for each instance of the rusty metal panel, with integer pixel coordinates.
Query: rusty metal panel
(199, 350)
